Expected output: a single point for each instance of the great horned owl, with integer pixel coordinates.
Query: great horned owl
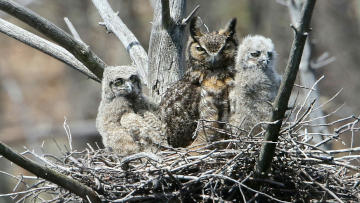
(256, 82)
(125, 119)
(202, 93)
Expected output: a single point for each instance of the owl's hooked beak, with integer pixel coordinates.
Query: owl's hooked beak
(214, 58)
(264, 62)
(128, 87)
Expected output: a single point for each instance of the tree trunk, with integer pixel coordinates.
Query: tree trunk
(167, 46)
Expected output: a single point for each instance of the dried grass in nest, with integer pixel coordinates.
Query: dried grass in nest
(300, 171)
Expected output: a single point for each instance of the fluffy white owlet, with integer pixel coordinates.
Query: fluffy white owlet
(125, 117)
(256, 83)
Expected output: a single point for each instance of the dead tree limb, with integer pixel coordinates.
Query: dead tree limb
(72, 30)
(167, 46)
(80, 50)
(114, 24)
(45, 46)
(307, 75)
(282, 98)
(48, 174)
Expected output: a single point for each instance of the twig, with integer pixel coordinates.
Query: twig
(49, 174)
(186, 20)
(323, 187)
(72, 29)
(141, 155)
(114, 24)
(282, 98)
(45, 46)
(80, 50)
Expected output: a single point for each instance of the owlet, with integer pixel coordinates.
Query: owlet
(256, 83)
(125, 117)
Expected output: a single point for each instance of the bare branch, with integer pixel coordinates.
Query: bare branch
(282, 98)
(45, 46)
(186, 20)
(80, 50)
(72, 29)
(49, 174)
(114, 24)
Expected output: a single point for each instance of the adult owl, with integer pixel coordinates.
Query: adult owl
(203, 91)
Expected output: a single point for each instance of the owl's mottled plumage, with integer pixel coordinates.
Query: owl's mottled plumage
(125, 119)
(202, 93)
(256, 82)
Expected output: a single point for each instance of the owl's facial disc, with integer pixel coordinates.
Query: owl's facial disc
(121, 87)
(260, 59)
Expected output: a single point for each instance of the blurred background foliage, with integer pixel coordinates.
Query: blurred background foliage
(37, 91)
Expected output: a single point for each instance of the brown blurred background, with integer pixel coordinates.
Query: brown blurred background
(37, 91)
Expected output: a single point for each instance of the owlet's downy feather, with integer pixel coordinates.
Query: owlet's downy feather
(256, 83)
(125, 117)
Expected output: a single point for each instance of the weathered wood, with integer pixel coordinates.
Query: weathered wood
(167, 46)
(114, 24)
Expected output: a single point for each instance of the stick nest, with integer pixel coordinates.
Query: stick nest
(301, 171)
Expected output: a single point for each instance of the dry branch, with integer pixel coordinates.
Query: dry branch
(80, 50)
(282, 98)
(114, 24)
(49, 174)
(45, 46)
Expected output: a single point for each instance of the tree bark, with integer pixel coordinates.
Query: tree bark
(167, 46)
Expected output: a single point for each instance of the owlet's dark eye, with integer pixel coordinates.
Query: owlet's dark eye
(119, 82)
(134, 78)
(255, 54)
(270, 54)
(199, 48)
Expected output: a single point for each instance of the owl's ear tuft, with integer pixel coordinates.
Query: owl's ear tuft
(195, 31)
(229, 29)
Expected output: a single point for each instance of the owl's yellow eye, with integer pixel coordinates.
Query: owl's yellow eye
(134, 79)
(199, 48)
(119, 82)
(255, 54)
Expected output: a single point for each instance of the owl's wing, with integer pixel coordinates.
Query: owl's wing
(132, 123)
(179, 111)
(119, 140)
(147, 130)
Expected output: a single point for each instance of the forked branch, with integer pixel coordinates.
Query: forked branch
(282, 98)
